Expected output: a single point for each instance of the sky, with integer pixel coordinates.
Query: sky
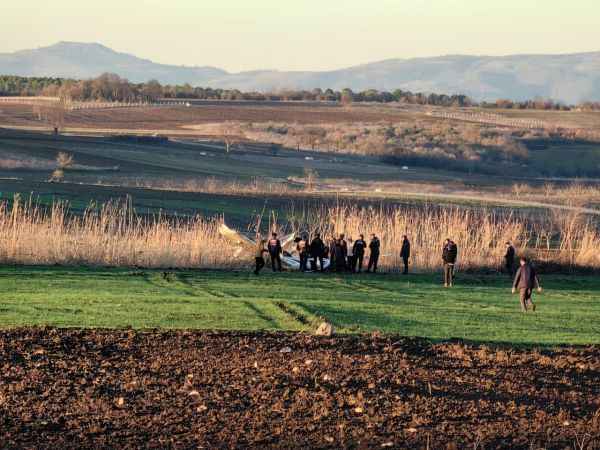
(239, 35)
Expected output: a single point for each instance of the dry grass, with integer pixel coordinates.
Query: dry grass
(574, 194)
(418, 137)
(109, 236)
(113, 235)
(211, 185)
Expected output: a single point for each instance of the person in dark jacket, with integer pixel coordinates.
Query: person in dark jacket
(340, 255)
(449, 255)
(526, 280)
(274, 247)
(509, 259)
(259, 259)
(374, 247)
(332, 262)
(317, 251)
(405, 253)
(358, 249)
(344, 246)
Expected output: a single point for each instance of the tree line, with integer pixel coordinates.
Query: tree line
(111, 87)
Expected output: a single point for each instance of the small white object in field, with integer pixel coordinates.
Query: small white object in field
(325, 329)
(309, 158)
(202, 153)
(377, 190)
(188, 104)
(404, 167)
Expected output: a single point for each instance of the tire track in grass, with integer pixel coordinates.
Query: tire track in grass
(294, 314)
(168, 281)
(364, 286)
(201, 286)
(262, 315)
(276, 314)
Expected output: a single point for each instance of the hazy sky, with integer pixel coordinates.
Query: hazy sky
(303, 34)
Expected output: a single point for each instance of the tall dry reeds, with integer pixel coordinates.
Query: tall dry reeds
(481, 235)
(112, 235)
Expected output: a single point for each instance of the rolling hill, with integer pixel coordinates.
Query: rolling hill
(570, 78)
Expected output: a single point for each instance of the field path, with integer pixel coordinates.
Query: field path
(498, 201)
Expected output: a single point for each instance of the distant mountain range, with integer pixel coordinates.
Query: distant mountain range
(570, 78)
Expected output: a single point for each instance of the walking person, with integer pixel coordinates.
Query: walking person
(526, 280)
(358, 250)
(405, 253)
(259, 259)
(351, 264)
(509, 259)
(449, 255)
(302, 248)
(374, 247)
(274, 247)
(317, 251)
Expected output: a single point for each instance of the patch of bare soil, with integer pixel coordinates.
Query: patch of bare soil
(128, 389)
(165, 118)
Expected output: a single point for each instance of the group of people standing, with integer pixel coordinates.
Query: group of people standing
(347, 255)
(344, 255)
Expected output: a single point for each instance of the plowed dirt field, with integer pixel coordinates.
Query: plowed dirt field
(129, 389)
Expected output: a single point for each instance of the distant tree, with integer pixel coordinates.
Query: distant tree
(53, 113)
(151, 91)
(347, 96)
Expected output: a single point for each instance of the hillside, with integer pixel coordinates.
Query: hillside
(570, 78)
(78, 60)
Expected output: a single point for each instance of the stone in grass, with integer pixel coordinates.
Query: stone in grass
(325, 329)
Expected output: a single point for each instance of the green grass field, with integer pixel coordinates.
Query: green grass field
(479, 308)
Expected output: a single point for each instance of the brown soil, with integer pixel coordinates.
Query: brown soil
(166, 118)
(128, 389)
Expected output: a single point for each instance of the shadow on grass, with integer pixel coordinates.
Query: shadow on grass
(261, 315)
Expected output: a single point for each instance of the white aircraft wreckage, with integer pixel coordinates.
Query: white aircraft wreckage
(245, 247)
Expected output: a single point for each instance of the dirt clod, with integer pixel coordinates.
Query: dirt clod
(325, 329)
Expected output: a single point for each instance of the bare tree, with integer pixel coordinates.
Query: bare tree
(53, 113)
(64, 161)
(310, 178)
(232, 134)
